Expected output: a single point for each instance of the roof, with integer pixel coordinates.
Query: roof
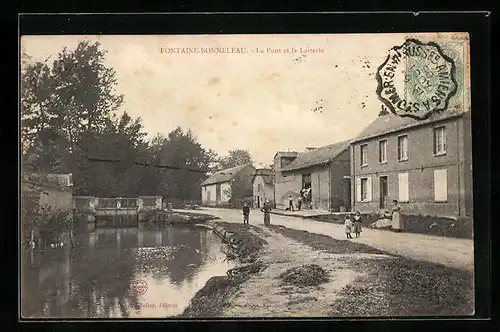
(390, 123)
(224, 175)
(318, 156)
(266, 174)
(39, 181)
(290, 154)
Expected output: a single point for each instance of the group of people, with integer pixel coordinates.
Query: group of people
(266, 209)
(351, 226)
(304, 198)
(354, 225)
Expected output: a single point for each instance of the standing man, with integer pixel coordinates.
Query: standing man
(267, 213)
(246, 213)
(290, 203)
(299, 203)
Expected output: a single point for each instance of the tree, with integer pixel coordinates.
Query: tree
(236, 158)
(59, 104)
(190, 162)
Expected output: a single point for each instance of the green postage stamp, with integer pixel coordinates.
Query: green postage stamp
(421, 77)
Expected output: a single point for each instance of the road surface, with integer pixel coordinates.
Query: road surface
(451, 252)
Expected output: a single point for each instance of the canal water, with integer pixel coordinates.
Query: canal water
(121, 273)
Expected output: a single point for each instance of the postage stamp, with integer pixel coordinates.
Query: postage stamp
(417, 79)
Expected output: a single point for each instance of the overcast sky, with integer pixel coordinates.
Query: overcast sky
(260, 102)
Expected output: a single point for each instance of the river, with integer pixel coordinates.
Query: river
(121, 273)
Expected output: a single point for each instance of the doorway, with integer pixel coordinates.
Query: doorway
(258, 202)
(383, 192)
(217, 194)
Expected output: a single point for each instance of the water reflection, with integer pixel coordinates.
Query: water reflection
(97, 279)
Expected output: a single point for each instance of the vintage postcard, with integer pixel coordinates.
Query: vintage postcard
(194, 176)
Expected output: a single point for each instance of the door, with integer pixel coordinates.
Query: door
(347, 194)
(217, 193)
(383, 192)
(258, 202)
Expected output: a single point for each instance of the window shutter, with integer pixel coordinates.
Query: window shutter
(440, 185)
(369, 191)
(403, 187)
(358, 189)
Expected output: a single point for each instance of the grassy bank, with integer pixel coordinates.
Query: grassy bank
(394, 286)
(214, 297)
(462, 228)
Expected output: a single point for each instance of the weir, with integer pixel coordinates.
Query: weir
(95, 212)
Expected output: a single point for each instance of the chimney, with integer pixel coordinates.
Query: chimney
(383, 111)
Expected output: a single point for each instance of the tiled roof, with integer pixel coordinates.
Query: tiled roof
(224, 175)
(389, 123)
(319, 156)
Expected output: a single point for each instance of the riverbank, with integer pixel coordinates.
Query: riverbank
(312, 275)
(244, 246)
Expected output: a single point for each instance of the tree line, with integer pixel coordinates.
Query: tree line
(72, 121)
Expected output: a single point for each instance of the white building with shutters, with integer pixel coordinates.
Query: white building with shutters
(426, 165)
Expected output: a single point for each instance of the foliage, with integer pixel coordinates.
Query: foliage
(235, 158)
(70, 118)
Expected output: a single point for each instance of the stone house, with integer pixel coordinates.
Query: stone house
(263, 187)
(424, 164)
(228, 186)
(325, 170)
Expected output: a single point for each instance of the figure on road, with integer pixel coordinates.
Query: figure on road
(348, 226)
(290, 203)
(358, 221)
(246, 213)
(267, 212)
(397, 219)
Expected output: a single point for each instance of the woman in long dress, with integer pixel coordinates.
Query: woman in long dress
(397, 219)
(267, 213)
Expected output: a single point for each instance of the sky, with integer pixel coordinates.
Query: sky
(263, 102)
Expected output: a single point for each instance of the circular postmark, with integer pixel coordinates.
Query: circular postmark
(416, 79)
(139, 287)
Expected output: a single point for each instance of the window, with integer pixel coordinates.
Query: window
(364, 155)
(403, 187)
(258, 187)
(440, 185)
(439, 140)
(382, 151)
(306, 180)
(403, 148)
(363, 189)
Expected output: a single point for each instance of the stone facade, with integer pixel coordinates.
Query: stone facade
(329, 187)
(230, 186)
(415, 176)
(262, 191)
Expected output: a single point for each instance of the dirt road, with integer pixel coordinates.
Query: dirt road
(451, 252)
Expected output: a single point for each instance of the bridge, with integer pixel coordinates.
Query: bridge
(114, 212)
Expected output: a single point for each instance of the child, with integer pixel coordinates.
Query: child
(246, 213)
(358, 221)
(348, 226)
